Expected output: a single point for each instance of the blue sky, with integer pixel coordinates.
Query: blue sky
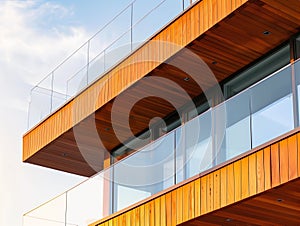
(35, 37)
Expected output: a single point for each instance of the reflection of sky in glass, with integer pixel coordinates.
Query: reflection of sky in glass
(238, 138)
(272, 121)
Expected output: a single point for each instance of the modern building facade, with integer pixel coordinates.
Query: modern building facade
(198, 125)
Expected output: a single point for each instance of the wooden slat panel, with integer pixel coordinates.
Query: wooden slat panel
(237, 181)
(244, 177)
(216, 189)
(223, 187)
(174, 210)
(292, 151)
(253, 174)
(197, 185)
(168, 204)
(157, 211)
(203, 203)
(230, 184)
(163, 210)
(185, 202)
(192, 201)
(267, 168)
(147, 214)
(298, 147)
(275, 176)
(260, 171)
(210, 192)
(283, 161)
(179, 203)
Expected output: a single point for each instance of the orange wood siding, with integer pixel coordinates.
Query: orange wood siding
(181, 32)
(269, 167)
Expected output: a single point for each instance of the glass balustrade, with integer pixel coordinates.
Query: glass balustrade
(134, 25)
(256, 115)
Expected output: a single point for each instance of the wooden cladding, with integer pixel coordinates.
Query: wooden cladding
(268, 168)
(198, 19)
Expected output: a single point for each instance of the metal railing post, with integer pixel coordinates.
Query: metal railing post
(131, 28)
(88, 62)
(52, 91)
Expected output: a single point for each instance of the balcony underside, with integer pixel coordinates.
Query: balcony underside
(69, 139)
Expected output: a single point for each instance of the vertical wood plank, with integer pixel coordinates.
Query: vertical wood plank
(174, 209)
(284, 161)
(192, 201)
(197, 197)
(230, 184)
(147, 214)
(132, 217)
(169, 209)
(223, 176)
(151, 213)
(260, 171)
(252, 175)
(157, 211)
(275, 176)
(188, 28)
(185, 202)
(216, 189)
(237, 181)
(298, 153)
(163, 218)
(245, 177)
(267, 168)
(137, 216)
(203, 195)
(127, 218)
(179, 205)
(293, 155)
(210, 192)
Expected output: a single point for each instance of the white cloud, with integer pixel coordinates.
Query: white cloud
(35, 36)
(34, 49)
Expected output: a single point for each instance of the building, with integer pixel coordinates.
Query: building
(224, 76)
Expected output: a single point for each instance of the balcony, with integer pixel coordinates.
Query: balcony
(214, 30)
(248, 122)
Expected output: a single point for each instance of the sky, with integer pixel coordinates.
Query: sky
(35, 36)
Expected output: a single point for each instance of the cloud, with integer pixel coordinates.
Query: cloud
(35, 37)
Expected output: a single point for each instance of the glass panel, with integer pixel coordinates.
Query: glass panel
(40, 102)
(144, 173)
(96, 68)
(297, 78)
(87, 203)
(237, 137)
(51, 213)
(58, 100)
(198, 144)
(272, 107)
(77, 82)
(117, 50)
(156, 19)
(180, 155)
(74, 65)
(186, 3)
